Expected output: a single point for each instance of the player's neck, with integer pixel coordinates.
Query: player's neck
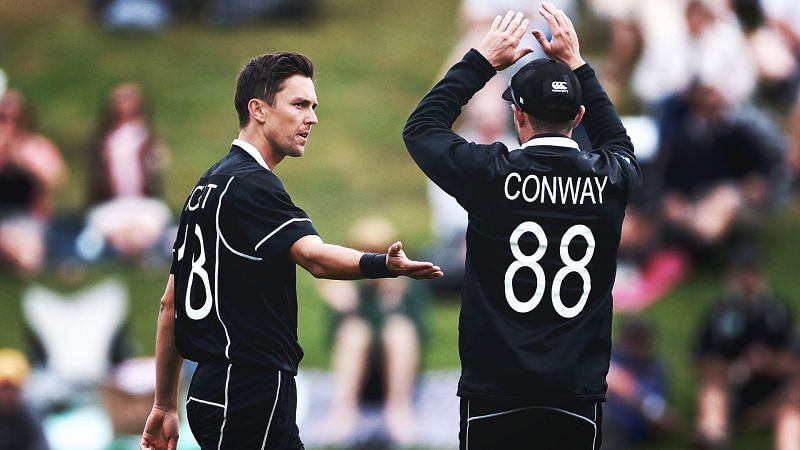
(257, 140)
(526, 134)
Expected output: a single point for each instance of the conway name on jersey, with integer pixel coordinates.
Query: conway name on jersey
(544, 227)
(235, 295)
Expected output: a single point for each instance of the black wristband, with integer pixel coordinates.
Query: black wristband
(373, 265)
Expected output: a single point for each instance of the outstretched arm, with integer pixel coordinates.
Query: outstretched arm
(341, 263)
(161, 428)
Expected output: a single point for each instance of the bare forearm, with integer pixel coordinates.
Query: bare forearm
(168, 361)
(341, 263)
(335, 262)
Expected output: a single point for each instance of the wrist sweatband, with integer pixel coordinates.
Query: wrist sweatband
(373, 265)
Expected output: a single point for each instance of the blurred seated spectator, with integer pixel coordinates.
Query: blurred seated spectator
(127, 395)
(376, 344)
(747, 361)
(20, 428)
(132, 15)
(31, 168)
(126, 165)
(640, 32)
(664, 45)
(772, 53)
(239, 12)
(647, 267)
(722, 167)
(636, 408)
(475, 16)
(793, 152)
(785, 16)
(76, 340)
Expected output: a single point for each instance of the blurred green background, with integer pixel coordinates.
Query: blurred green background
(374, 60)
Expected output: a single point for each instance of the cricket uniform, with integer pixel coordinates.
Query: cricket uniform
(544, 227)
(236, 304)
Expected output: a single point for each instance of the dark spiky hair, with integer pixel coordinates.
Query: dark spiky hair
(264, 76)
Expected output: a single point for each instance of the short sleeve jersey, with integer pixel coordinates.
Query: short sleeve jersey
(235, 293)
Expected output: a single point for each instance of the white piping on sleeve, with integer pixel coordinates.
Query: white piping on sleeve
(284, 224)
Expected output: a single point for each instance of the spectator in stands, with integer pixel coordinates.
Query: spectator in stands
(636, 406)
(20, 429)
(133, 15)
(237, 12)
(377, 333)
(793, 152)
(772, 53)
(31, 168)
(647, 266)
(746, 360)
(722, 166)
(675, 41)
(476, 15)
(127, 161)
(785, 16)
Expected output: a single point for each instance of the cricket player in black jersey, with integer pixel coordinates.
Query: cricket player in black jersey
(230, 302)
(544, 227)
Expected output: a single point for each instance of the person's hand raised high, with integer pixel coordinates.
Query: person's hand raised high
(499, 47)
(563, 46)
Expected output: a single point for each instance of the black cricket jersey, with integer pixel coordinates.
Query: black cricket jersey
(235, 293)
(544, 227)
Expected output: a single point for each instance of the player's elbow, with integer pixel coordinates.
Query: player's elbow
(168, 298)
(167, 304)
(316, 270)
(309, 253)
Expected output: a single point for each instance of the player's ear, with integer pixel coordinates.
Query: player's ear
(520, 118)
(579, 116)
(256, 108)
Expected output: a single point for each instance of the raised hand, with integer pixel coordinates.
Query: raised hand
(398, 263)
(499, 47)
(564, 44)
(160, 430)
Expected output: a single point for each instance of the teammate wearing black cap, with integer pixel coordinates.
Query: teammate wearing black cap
(230, 302)
(544, 227)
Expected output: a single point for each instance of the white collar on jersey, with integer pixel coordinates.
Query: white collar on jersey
(252, 151)
(554, 141)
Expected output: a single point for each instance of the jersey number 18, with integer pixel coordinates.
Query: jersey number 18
(201, 273)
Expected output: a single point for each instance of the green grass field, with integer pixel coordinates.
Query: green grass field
(374, 60)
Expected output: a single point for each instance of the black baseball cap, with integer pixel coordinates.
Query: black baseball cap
(546, 89)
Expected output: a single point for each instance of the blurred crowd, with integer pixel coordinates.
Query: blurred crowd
(80, 358)
(154, 15)
(125, 214)
(710, 91)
